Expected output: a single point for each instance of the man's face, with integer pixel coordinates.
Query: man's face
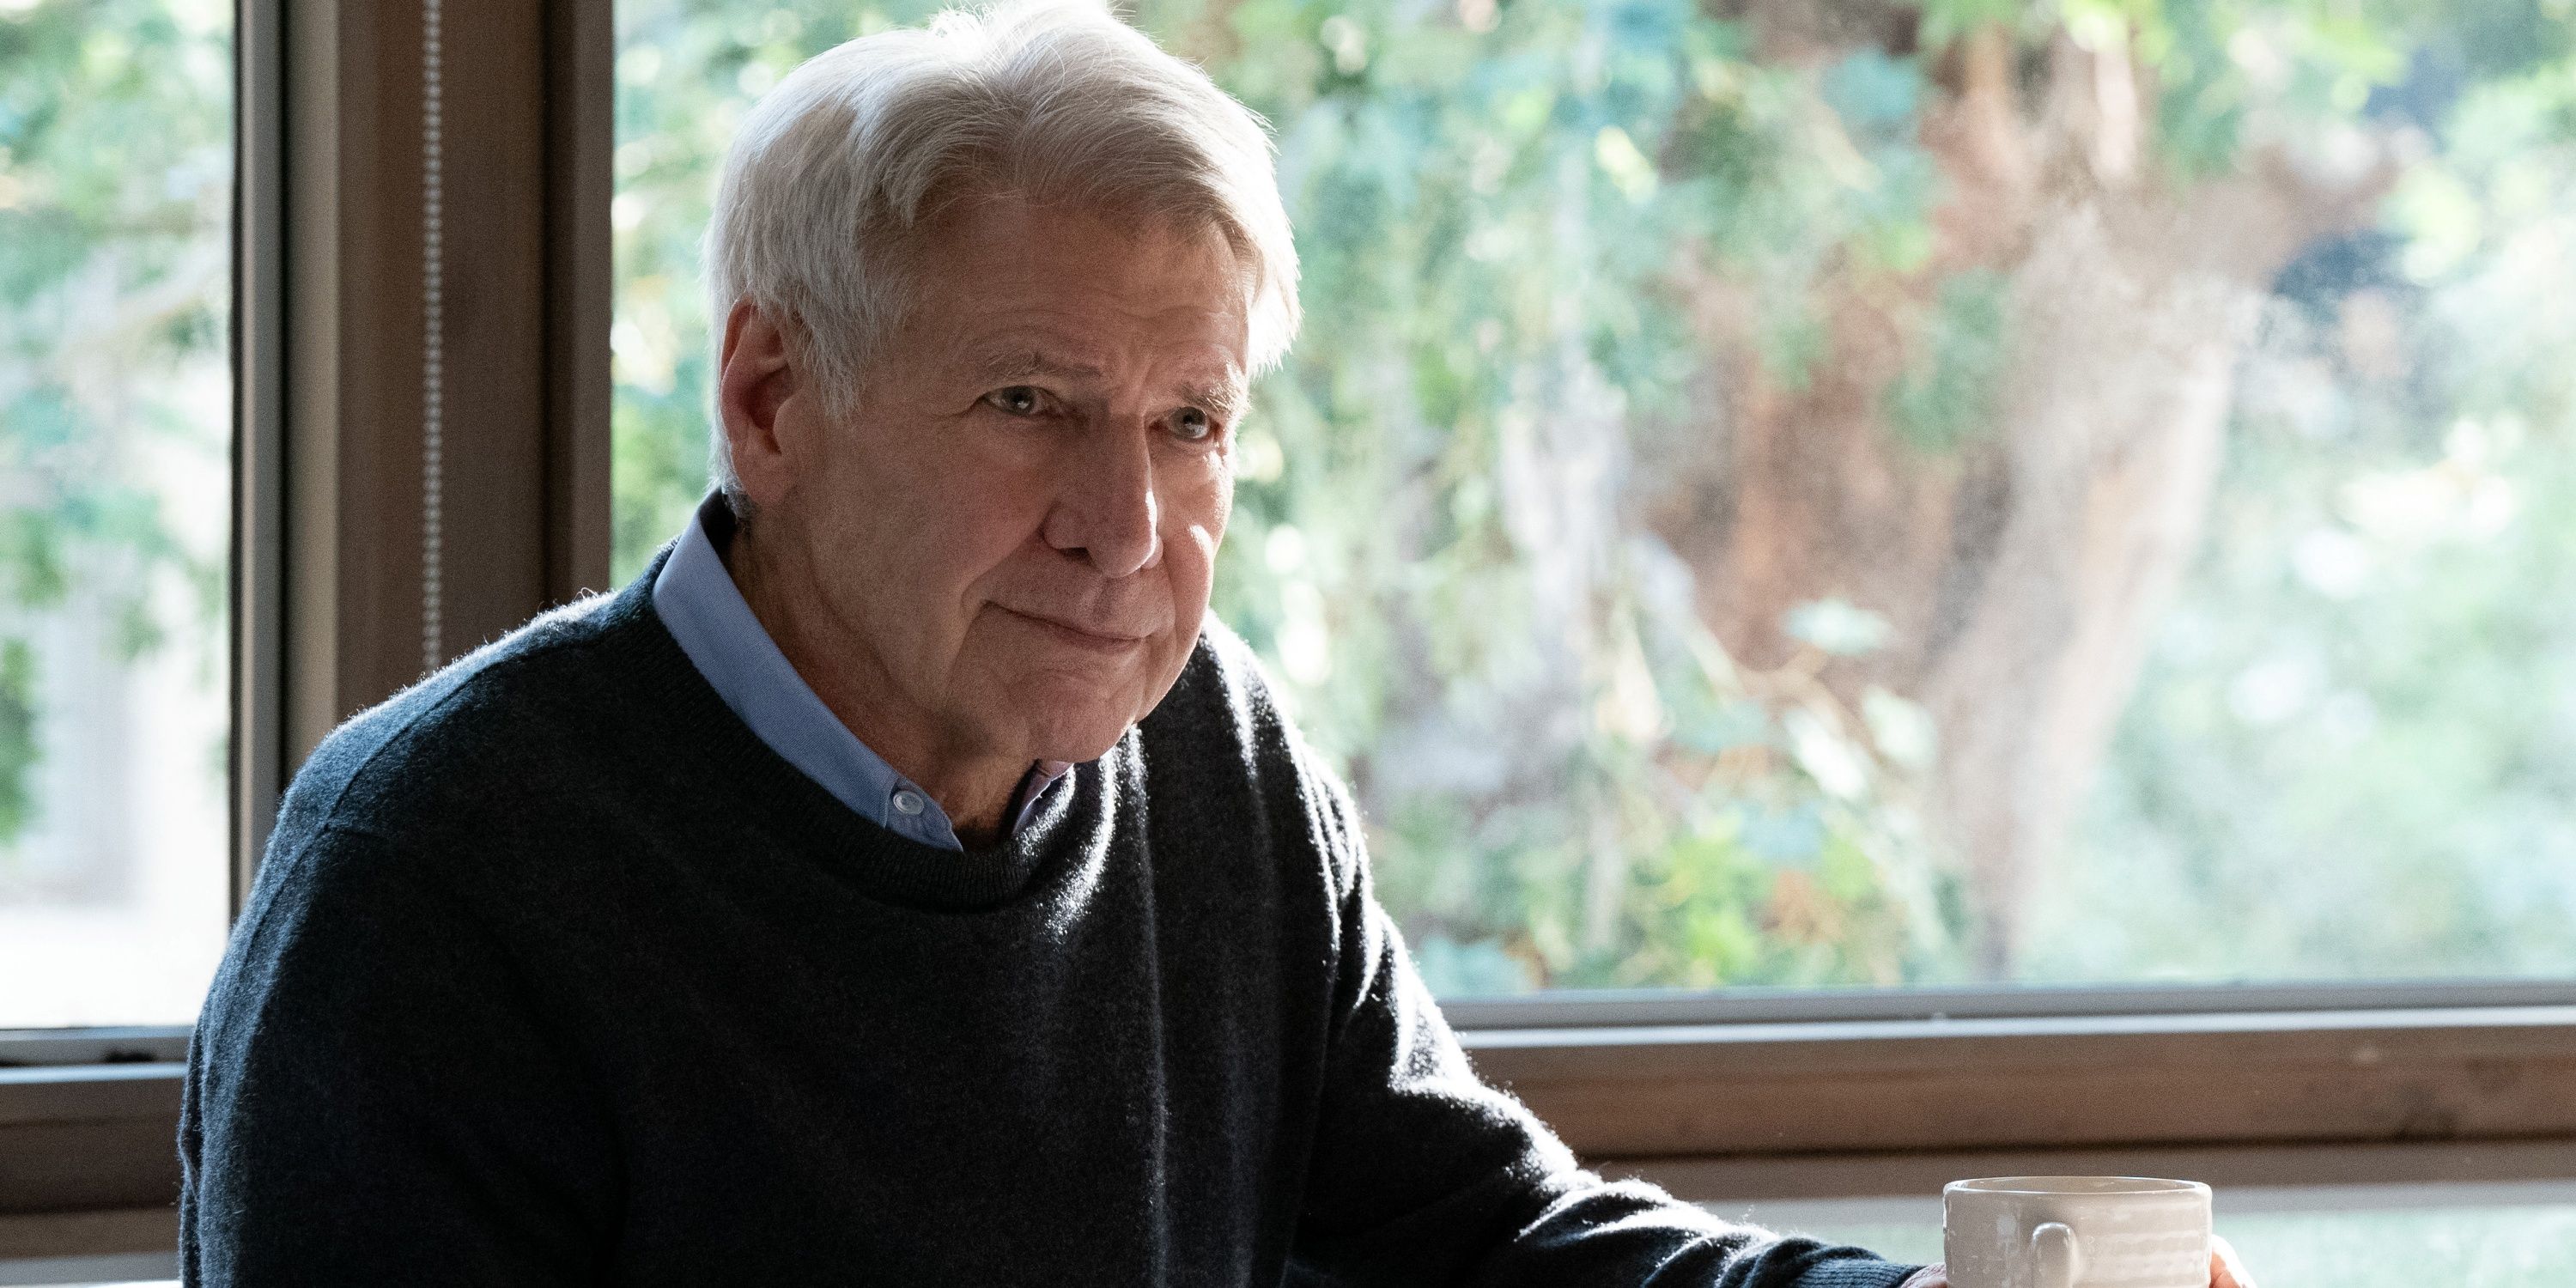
(1011, 538)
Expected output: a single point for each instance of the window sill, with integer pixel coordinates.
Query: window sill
(1770, 1107)
(89, 1247)
(2016, 1084)
(91, 1137)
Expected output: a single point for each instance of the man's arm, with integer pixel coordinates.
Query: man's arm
(373, 1099)
(1423, 1175)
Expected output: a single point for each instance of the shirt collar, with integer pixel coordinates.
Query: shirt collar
(697, 599)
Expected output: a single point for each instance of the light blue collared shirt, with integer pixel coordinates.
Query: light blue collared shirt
(697, 599)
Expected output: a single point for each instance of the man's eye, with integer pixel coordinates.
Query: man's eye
(1191, 425)
(1018, 400)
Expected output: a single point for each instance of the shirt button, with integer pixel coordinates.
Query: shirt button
(907, 803)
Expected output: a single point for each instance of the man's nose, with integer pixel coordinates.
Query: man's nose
(1106, 512)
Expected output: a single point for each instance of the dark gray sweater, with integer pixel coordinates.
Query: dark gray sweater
(555, 974)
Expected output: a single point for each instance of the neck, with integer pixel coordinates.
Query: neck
(973, 784)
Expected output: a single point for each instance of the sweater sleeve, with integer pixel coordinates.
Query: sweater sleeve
(1422, 1174)
(372, 1097)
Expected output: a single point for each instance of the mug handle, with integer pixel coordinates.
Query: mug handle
(2054, 1258)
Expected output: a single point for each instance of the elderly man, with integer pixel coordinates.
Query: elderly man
(903, 881)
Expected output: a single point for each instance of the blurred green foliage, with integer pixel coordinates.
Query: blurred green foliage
(115, 186)
(2352, 744)
(1486, 223)
(2354, 751)
(1508, 213)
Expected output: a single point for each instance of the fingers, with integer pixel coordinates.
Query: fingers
(2225, 1270)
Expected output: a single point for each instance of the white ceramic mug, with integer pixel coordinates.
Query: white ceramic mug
(2076, 1232)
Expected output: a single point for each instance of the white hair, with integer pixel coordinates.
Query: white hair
(835, 169)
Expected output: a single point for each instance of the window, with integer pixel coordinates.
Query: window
(182, 503)
(115, 440)
(1817, 496)
(1777, 495)
(2502, 1236)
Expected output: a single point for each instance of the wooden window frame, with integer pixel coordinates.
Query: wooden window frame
(1870, 1094)
(1725, 1097)
(338, 150)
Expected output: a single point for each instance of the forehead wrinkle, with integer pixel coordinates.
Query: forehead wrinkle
(1023, 360)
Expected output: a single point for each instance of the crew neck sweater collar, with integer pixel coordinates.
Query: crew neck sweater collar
(695, 595)
(1068, 829)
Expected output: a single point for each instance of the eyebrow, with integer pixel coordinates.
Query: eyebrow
(1016, 364)
(1225, 399)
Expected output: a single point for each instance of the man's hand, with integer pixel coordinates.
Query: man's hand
(2225, 1270)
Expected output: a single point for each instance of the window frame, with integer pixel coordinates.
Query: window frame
(1720, 1096)
(330, 563)
(1871, 1093)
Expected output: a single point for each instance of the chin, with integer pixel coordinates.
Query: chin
(1079, 723)
(1077, 713)
(1077, 745)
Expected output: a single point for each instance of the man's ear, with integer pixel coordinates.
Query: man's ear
(756, 377)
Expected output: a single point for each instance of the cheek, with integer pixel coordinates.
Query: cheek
(1197, 527)
(971, 531)
(1199, 506)
(951, 520)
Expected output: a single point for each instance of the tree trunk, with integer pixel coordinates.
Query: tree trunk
(2024, 570)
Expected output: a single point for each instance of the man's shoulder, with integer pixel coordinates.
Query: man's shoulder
(1225, 739)
(524, 703)
(1223, 695)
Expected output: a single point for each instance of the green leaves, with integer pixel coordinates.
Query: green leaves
(18, 749)
(1537, 238)
(115, 196)
(1947, 396)
(1946, 21)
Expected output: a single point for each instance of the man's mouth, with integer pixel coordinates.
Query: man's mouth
(1100, 639)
